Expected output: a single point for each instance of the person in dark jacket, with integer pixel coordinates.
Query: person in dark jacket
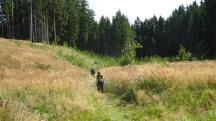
(100, 82)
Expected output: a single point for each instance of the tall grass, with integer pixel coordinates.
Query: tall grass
(176, 91)
(39, 86)
(42, 82)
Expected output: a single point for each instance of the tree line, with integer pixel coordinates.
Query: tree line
(192, 27)
(72, 22)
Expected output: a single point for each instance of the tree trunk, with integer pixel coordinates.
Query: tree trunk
(30, 31)
(12, 19)
(214, 41)
(35, 28)
(47, 29)
(43, 28)
(9, 27)
(54, 21)
(2, 25)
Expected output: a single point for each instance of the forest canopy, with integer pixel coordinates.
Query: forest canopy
(72, 22)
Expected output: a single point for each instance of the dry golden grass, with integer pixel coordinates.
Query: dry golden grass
(184, 73)
(186, 84)
(23, 67)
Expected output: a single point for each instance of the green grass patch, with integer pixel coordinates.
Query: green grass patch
(86, 59)
(192, 99)
(39, 46)
(52, 104)
(197, 101)
(5, 114)
(154, 59)
(151, 86)
(127, 91)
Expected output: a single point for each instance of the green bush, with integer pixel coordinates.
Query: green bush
(184, 55)
(125, 61)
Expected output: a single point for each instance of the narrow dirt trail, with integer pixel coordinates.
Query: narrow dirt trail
(24, 67)
(106, 104)
(29, 68)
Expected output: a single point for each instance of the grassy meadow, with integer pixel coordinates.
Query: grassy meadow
(41, 82)
(184, 91)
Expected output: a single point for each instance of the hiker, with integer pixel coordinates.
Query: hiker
(100, 82)
(93, 70)
(3, 103)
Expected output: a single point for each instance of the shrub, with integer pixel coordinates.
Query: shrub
(183, 54)
(154, 59)
(129, 96)
(130, 49)
(125, 61)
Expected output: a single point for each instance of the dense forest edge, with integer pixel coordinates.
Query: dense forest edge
(158, 69)
(190, 29)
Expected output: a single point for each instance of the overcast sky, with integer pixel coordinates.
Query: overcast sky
(133, 8)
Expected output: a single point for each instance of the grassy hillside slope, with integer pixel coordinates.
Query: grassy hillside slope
(37, 83)
(50, 83)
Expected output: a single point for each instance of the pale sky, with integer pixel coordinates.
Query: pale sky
(133, 8)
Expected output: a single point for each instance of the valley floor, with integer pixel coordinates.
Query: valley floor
(50, 83)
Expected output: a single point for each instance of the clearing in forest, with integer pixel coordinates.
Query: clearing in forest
(42, 82)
